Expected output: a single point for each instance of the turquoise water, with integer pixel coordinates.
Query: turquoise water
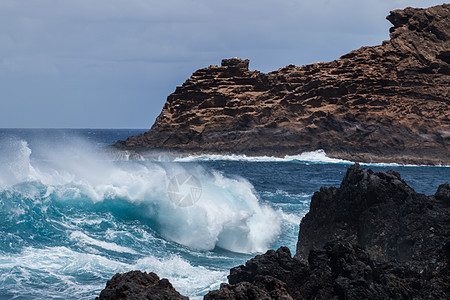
(71, 215)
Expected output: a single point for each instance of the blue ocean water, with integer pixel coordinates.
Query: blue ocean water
(72, 215)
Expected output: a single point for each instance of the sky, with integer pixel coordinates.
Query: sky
(112, 63)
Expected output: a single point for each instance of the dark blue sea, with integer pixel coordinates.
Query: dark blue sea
(72, 214)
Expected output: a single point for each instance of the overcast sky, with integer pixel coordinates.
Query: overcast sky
(112, 63)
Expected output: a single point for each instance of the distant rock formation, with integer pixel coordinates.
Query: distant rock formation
(387, 103)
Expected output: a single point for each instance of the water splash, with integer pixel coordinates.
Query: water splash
(227, 215)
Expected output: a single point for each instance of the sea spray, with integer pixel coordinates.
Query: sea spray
(228, 213)
(15, 163)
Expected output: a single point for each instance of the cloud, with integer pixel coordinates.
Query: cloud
(143, 48)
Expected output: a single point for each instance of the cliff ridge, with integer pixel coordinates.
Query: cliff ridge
(386, 103)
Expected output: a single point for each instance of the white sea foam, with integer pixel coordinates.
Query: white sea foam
(60, 266)
(188, 279)
(84, 239)
(302, 197)
(400, 165)
(227, 215)
(54, 270)
(318, 156)
(290, 218)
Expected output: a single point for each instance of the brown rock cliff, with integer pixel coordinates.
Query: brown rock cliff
(387, 103)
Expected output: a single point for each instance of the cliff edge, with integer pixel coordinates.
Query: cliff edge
(387, 103)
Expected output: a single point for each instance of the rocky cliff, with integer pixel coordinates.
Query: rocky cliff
(374, 237)
(387, 103)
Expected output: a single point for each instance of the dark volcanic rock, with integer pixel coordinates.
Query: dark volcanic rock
(262, 287)
(338, 271)
(275, 264)
(382, 214)
(386, 103)
(136, 285)
(372, 238)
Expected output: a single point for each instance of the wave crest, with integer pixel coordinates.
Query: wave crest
(227, 215)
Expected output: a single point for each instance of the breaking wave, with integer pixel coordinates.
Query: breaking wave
(71, 218)
(227, 215)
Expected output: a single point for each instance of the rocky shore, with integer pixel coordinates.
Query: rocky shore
(386, 103)
(374, 237)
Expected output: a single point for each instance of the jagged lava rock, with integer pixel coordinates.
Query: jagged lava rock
(137, 285)
(340, 270)
(372, 238)
(262, 287)
(382, 214)
(387, 103)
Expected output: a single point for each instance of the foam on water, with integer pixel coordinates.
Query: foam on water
(311, 157)
(318, 156)
(192, 280)
(228, 213)
(82, 238)
(56, 272)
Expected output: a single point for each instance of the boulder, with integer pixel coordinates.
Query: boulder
(137, 285)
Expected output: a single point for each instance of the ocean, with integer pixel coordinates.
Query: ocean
(72, 214)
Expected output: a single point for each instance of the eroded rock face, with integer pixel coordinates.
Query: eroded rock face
(137, 285)
(385, 103)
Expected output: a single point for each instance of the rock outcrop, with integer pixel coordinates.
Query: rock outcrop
(137, 285)
(382, 214)
(372, 238)
(387, 103)
(338, 271)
